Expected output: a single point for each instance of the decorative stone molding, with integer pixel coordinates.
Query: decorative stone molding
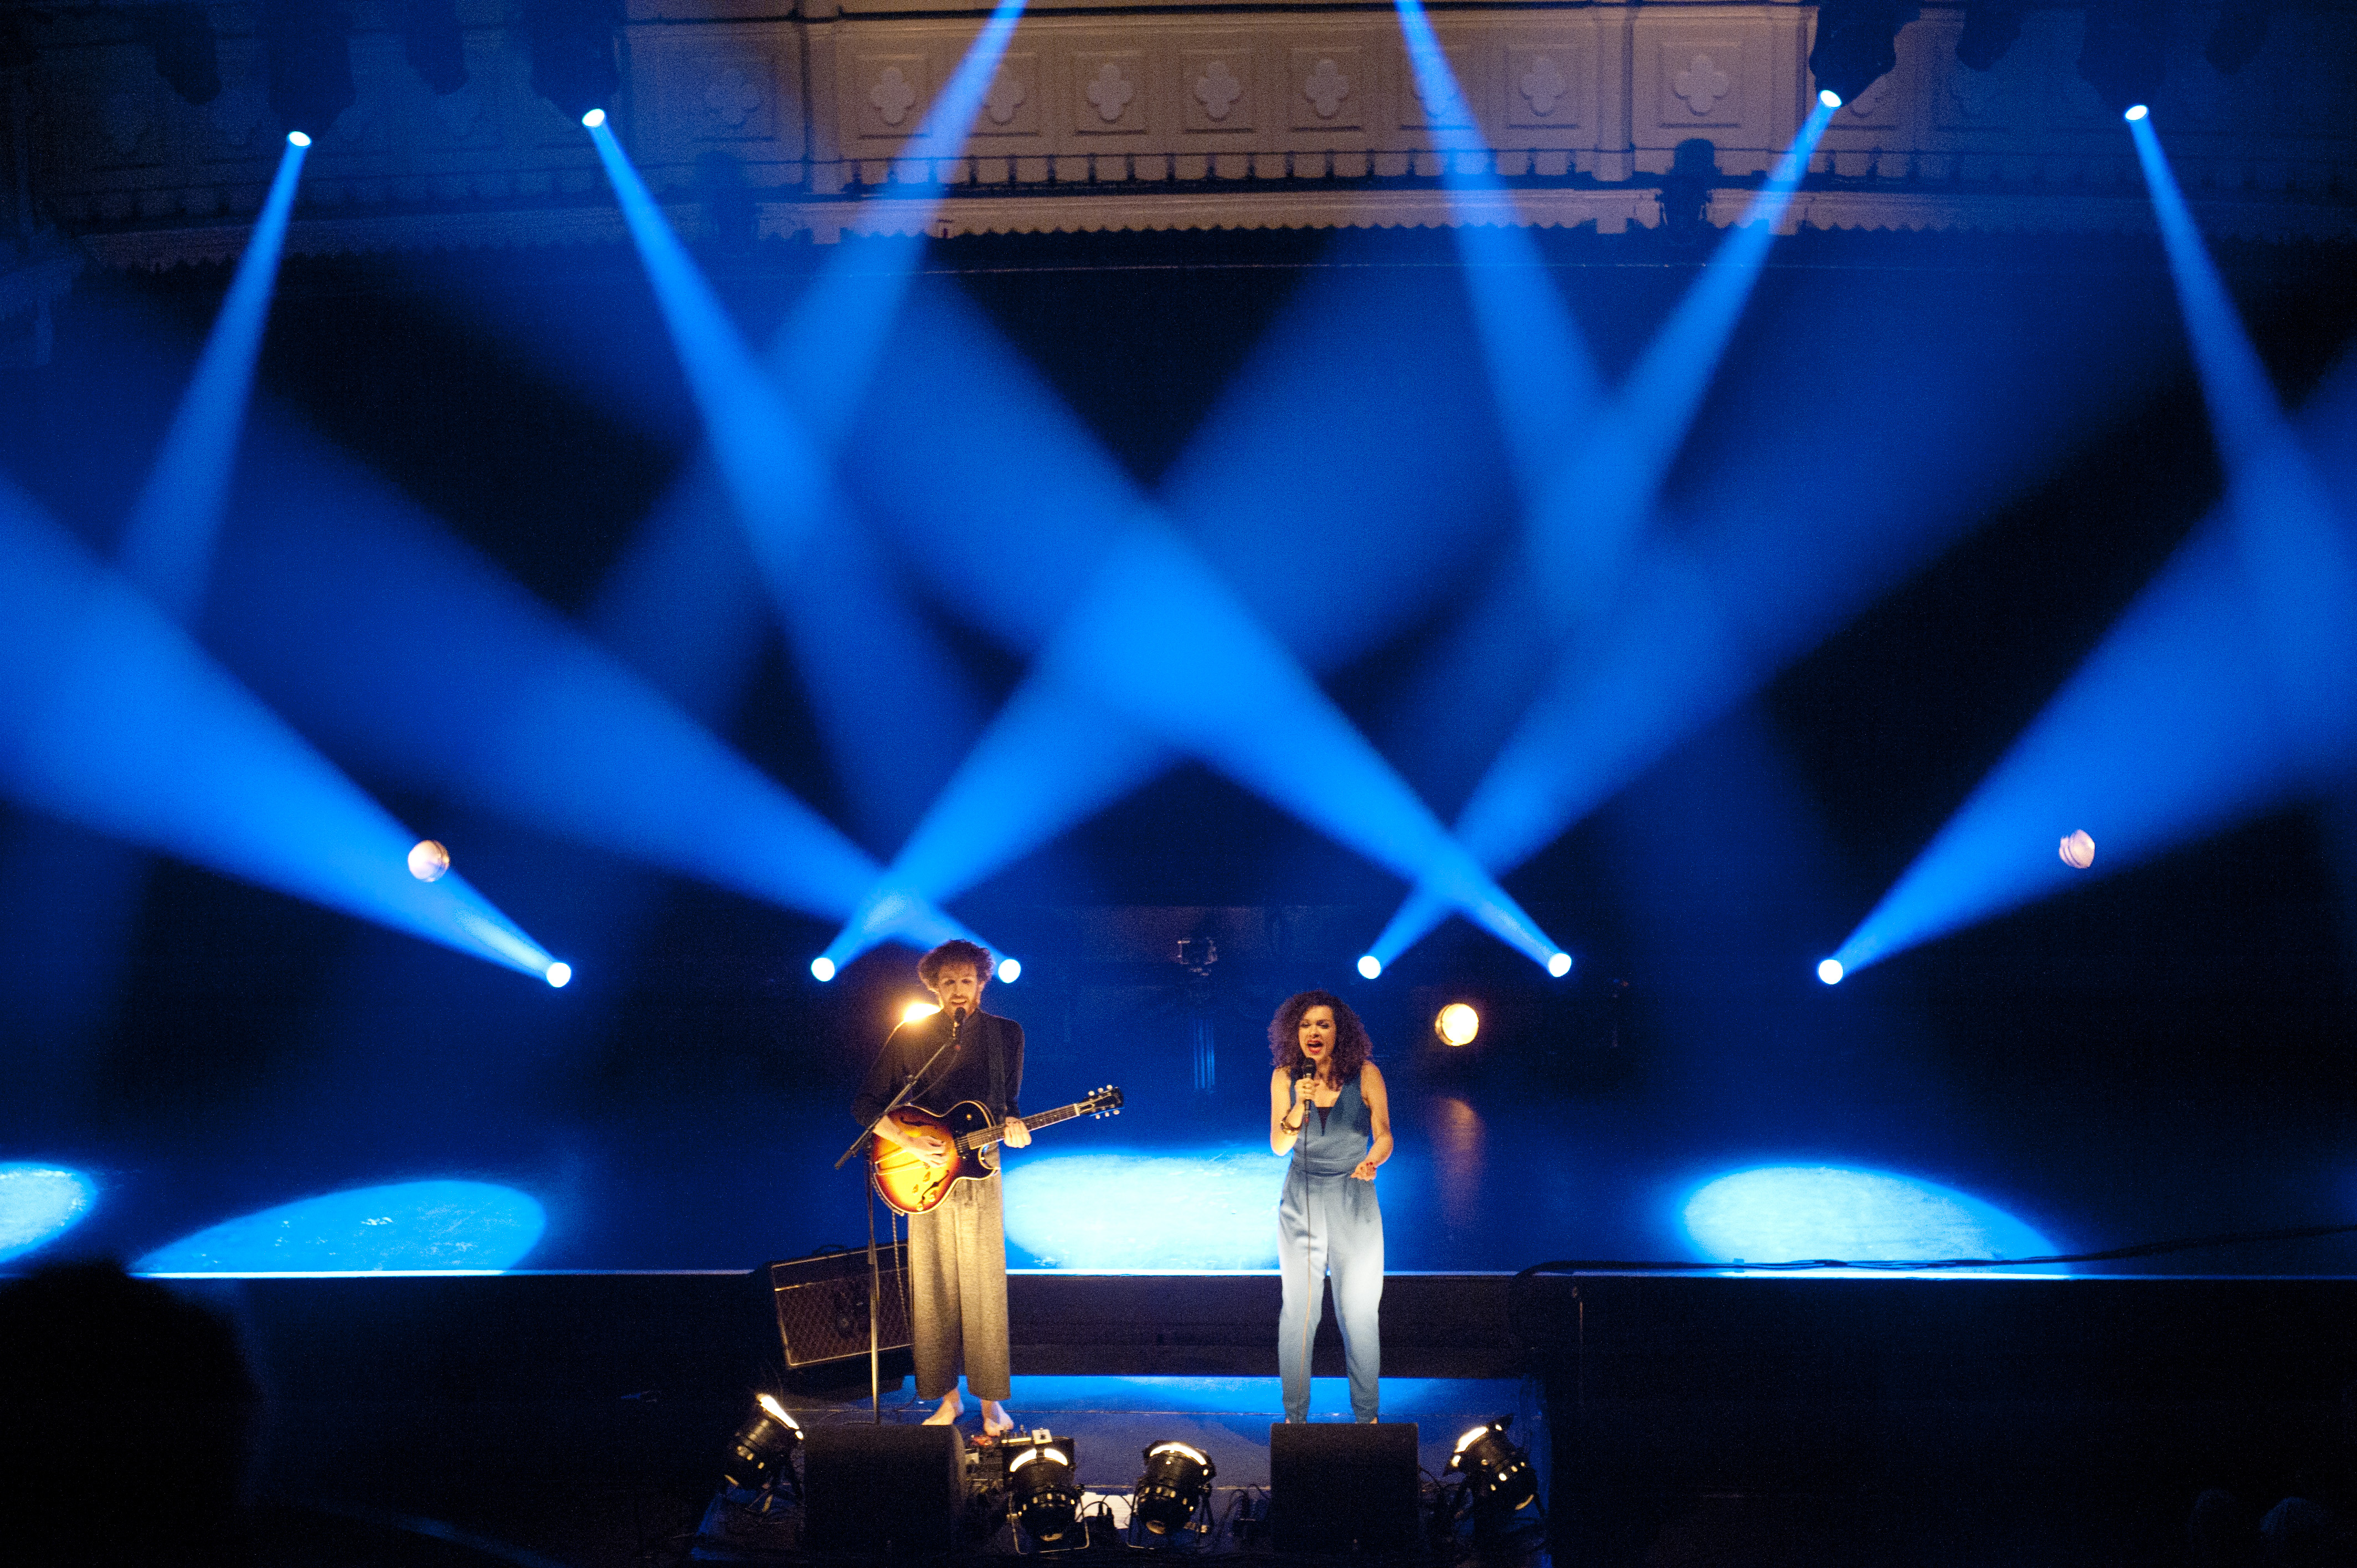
(1122, 114)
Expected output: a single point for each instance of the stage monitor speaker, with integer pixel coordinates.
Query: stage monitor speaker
(822, 1305)
(1335, 1489)
(874, 1489)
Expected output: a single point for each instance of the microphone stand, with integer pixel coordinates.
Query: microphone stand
(875, 1268)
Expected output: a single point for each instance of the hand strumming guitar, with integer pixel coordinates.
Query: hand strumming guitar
(926, 1143)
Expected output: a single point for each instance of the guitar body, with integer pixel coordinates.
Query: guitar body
(912, 1186)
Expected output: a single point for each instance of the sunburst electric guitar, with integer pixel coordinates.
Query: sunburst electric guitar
(912, 1186)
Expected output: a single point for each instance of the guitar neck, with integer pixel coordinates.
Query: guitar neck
(990, 1136)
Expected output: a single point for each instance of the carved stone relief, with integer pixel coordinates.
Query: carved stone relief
(892, 91)
(1442, 97)
(1329, 89)
(1218, 93)
(1699, 81)
(1539, 87)
(1244, 101)
(1010, 106)
(1108, 91)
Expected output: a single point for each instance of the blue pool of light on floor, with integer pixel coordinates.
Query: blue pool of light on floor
(417, 1227)
(1112, 1213)
(1784, 1213)
(39, 1202)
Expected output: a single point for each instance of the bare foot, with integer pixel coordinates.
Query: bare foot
(947, 1411)
(995, 1422)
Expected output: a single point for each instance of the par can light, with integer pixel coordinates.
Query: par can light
(1176, 1480)
(1829, 98)
(823, 969)
(1559, 964)
(761, 1455)
(297, 139)
(1497, 1475)
(1830, 972)
(1046, 1498)
(1457, 1023)
(559, 974)
(1009, 971)
(595, 118)
(1371, 967)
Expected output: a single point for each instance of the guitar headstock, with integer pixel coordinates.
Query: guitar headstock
(1105, 1102)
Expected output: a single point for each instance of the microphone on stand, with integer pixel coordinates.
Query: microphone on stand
(957, 1022)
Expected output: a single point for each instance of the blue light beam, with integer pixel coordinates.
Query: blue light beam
(39, 1203)
(1540, 372)
(1163, 642)
(168, 546)
(114, 719)
(407, 1228)
(1212, 681)
(2293, 544)
(1605, 496)
(849, 631)
(1583, 541)
(774, 475)
(1777, 1214)
(2182, 720)
(408, 652)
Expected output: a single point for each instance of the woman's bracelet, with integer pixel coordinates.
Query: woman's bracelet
(1289, 1126)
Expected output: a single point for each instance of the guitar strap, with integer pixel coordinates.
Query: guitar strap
(998, 1074)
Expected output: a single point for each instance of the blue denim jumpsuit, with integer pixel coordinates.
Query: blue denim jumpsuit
(1326, 1221)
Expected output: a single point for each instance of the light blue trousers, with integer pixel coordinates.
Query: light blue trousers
(1329, 1225)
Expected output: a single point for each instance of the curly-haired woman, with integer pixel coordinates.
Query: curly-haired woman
(1327, 1108)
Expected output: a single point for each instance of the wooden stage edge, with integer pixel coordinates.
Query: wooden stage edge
(544, 1334)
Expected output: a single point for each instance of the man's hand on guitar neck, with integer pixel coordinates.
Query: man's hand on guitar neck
(926, 1143)
(1014, 1133)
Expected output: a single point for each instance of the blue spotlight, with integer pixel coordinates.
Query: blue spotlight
(1157, 643)
(1829, 98)
(1203, 1208)
(777, 480)
(1559, 965)
(1601, 502)
(2222, 689)
(2135, 112)
(1369, 967)
(1778, 1214)
(115, 719)
(560, 975)
(1543, 380)
(567, 739)
(595, 118)
(38, 1203)
(823, 968)
(417, 1226)
(1161, 640)
(1830, 971)
(1010, 970)
(168, 543)
(2289, 531)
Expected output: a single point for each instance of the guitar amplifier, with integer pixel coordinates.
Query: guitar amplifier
(822, 1304)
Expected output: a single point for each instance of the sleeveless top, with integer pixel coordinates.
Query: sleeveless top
(1333, 1142)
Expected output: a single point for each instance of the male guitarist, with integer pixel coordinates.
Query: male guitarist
(957, 1252)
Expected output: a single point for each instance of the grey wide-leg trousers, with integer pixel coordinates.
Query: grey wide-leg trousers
(957, 1286)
